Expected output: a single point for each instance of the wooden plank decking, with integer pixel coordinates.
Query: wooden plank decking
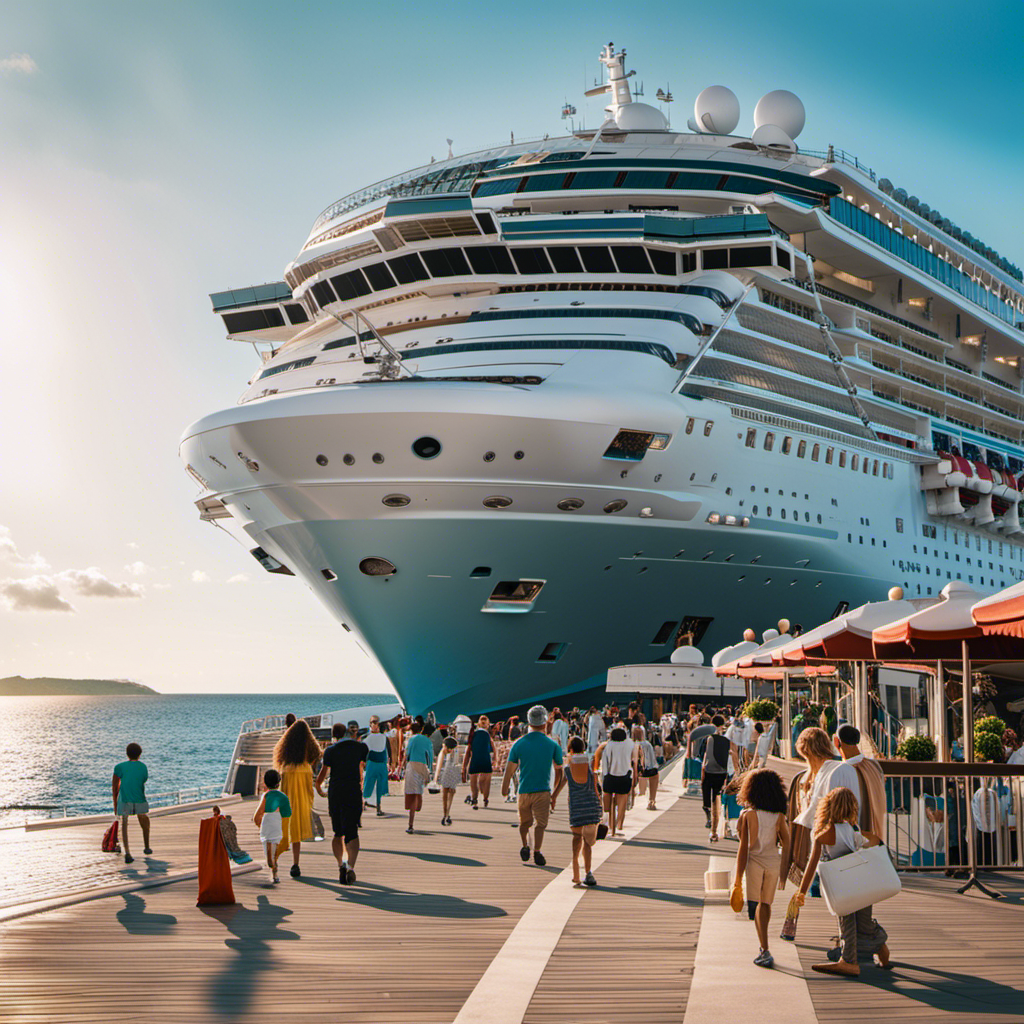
(410, 941)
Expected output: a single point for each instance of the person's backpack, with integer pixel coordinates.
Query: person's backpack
(110, 843)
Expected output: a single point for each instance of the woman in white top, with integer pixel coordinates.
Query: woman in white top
(618, 768)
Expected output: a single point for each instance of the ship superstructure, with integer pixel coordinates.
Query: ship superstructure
(541, 409)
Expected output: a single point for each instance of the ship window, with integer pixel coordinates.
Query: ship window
(664, 262)
(490, 259)
(689, 425)
(565, 259)
(708, 427)
(754, 510)
(751, 256)
(842, 460)
(664, 634)
(631, 259)
(552, 652)
(815, 452)
(379, 277)
(480, 572)
(801, 449)
(254, 320)
(769, 441)
(715, 259)
(783, 257)
(323, 293)
(486, 222)
(787, 444)
(446, 262)
(351, 285)
(768, 510)
(408, 268)
(783, 513)
(597, 259)
(296, 314)
(819, 517)
(867, 465)
(595, 179)
(874, 468)
(531, 260)
(689, 262)
(854, 463)
(899, 529)
(751, 437)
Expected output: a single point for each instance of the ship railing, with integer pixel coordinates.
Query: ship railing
(260, 724)
(885, 730)
(170, 798)
(954, 816)
(840, 156)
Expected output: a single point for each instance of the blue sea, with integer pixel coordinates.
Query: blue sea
(59, 752)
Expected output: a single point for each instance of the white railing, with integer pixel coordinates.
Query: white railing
(171, 798)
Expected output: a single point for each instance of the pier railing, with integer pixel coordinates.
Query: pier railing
(171, 798)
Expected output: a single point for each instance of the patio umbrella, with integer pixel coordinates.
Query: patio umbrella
(1002, 613)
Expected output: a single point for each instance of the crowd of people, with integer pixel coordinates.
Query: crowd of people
(603, 760)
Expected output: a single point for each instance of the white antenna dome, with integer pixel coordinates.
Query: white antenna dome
(687, 656)
(717, 110)
(640, 117)
(771, 136)
(782, 109)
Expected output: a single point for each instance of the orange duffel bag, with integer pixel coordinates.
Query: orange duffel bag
(214, 865)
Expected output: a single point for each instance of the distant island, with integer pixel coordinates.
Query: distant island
(18, 686)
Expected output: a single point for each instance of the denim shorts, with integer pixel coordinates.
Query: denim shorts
(125, 808)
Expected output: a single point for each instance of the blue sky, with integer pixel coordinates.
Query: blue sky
(151, 153)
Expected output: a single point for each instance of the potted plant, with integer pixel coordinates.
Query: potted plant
(992, 724)
(987, 747)
(916, 748)
(763, 710)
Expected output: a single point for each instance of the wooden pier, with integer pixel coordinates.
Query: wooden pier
(449, 925)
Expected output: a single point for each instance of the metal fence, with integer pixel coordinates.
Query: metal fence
(171, 798)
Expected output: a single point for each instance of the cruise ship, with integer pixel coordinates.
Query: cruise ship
(521, 415)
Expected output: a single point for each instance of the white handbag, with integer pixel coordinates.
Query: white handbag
(857, 880)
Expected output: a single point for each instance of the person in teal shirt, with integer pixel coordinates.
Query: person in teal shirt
(129, 788)
(535, 755)
(418, 759)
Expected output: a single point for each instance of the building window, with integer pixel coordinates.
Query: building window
(751, 437)
(769, 441)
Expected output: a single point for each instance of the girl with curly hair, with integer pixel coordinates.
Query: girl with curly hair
(762, 830)
(294, 756)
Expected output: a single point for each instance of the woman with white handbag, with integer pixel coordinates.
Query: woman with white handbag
(851, 893)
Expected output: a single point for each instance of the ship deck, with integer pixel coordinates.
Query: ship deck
(448, 925)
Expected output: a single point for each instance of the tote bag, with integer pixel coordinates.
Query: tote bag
(859, 879)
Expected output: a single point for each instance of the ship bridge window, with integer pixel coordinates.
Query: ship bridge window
(351, 285)
(408, 268)
(594, 179)
(664, 262)
(531, 260)
(323, 293)
(751, 256)
(565, 259)
(379, 277)
(597, 259)
(446, 262)
(646, 180)
(715, 259)
(497, 188)
(296, 314)
(490, 259)
(486, 222)
(254, 319)
(631, 259)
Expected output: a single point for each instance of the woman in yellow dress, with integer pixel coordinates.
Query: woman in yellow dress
(294, 756)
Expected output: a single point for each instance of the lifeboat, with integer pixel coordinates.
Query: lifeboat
(977, 507)
(981, 478)
(949, 471)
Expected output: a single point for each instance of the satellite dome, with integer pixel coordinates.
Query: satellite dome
(783, 109)
(640, 117)
(716, 110)
(771, 136)
(687, 656)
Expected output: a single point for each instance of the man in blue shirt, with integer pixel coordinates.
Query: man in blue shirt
(129, 790)
(418, 759)
(535, 755)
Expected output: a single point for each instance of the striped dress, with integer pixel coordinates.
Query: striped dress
(584, 803)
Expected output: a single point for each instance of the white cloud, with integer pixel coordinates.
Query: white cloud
(92, 583)
(198, 576)
(18, 64)
(10, 554)
(161, 586)
(134, 545)
(35, 594)
(241, 577)
(137, 568)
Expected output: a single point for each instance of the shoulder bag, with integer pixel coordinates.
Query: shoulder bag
(857, 880)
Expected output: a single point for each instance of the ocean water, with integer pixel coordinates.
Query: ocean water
(58, 752)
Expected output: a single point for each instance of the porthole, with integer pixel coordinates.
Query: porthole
(488, 456)
(570, 504)
(329, 575)
(617, 505)
(395, 500)
(518, 455)
(321, 460)
(497, 501)
(375, 566)
(426, 447)
(378, 458)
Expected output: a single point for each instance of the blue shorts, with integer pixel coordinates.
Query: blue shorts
(125, 808)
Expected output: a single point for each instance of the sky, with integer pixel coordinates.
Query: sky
(151, 153)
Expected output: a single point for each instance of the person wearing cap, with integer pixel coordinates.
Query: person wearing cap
(535, 755)
(345, 759)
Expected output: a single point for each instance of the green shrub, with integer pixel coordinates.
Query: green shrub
(992, 724)
(987, 747)
(916, 748)
(762, 710)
